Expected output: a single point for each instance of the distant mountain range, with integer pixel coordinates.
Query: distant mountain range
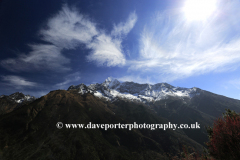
(11, 102)
(28, 125)
(111, 89)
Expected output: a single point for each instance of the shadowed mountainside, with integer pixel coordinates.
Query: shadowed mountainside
(204, 109)
(13, 101)
(30, 132)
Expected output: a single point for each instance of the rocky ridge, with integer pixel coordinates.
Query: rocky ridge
(13, 101)
(19, 97)
(111, 89)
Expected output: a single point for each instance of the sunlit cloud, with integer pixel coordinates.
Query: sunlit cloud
(107, 49)
(174, 48)
(66, 30)
(199, 9)
(123, 28)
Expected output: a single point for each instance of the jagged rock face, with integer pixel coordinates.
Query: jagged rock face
(13, 101)
(111, 89)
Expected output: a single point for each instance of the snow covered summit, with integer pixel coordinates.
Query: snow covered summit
(112, 89)
(19, 97)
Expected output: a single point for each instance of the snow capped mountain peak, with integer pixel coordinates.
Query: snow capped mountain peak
(82, 88)
(111, 89)
(111, 83)
(19, 97)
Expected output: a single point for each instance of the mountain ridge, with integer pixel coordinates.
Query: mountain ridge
(30, 130)
(111, 88)
(177, 104)
(14, 101)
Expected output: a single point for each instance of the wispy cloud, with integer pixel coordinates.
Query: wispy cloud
(136, 79)
(67, 30)
(69, 79)
(41, 57)
(235, 83)
(107, 49)
(174, 48)
(17, 81)
(123, 28)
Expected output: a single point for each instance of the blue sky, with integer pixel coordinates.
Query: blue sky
(47, 45)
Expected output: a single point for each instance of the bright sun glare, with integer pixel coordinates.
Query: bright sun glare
(199, 9)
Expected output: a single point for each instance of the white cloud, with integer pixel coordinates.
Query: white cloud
(122, 29)
(175, 48)
(136, 79)
(41, 57)
(74, 77)
(17, 81)
(106, 50)
(67, 30)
